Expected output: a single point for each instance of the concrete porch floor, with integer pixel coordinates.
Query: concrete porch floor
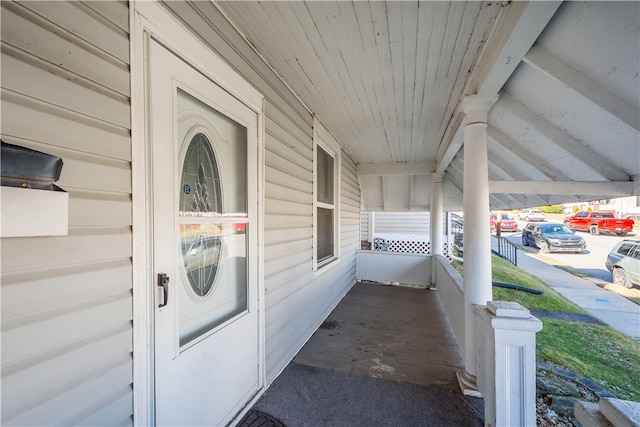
(386, 356)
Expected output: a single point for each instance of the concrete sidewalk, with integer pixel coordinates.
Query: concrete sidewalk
(613, 309)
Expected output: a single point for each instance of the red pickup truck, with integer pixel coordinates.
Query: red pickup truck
(597, 222)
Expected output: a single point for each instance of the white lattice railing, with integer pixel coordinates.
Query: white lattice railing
(401, 243)
(410, 244)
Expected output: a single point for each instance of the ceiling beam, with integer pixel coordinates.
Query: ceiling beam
(547, 63)
(510, 173)
(504, 169)
(454, 176)
(457, 165)
(526, 155)
(517, 27)
(499, 201)
(587, 188)
(446, 152)
(516, 31)
(505, 172)
(575, 148)
(380, 169)
(511, 199)
(451, 190)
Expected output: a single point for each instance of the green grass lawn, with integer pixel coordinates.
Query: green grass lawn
(504, 271)
(599, 353)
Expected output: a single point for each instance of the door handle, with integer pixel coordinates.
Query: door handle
(163, 282)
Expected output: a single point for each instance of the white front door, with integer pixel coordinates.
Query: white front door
(204, 198)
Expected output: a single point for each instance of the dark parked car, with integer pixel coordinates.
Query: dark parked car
(552, 237)
(624, 263)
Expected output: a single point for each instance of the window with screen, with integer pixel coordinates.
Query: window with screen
(325, 206)
(326, 211)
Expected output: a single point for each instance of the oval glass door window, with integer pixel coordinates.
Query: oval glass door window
(200, 196)
(212, 218)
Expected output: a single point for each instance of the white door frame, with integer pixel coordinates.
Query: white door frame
(150, 20)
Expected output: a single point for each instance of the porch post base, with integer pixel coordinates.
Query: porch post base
(468, 384)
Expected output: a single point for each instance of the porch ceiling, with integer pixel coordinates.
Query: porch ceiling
(387, 78)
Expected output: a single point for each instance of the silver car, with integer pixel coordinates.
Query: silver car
(531, 215)
(624, 263)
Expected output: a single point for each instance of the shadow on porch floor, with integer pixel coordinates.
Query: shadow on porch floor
(386, 356)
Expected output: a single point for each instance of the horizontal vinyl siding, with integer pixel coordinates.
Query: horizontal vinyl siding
(296, 302)
(67, 300)
(350, 212)
(364, 225)
(288, 244)
(402, 222)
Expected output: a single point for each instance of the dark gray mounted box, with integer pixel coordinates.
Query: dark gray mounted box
(26, 168)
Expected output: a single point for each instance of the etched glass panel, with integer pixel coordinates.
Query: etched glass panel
(201, 253)
(200, 193)
(213, 225)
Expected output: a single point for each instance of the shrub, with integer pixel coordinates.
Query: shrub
(553, 209)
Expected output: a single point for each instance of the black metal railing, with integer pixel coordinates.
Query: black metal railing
(507, 250)
(456, 230)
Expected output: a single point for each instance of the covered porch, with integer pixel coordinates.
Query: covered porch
(417, 106)
(392, 353)
(386, 355)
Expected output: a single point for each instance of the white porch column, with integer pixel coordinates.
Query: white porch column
(436, 222)
(476, 239)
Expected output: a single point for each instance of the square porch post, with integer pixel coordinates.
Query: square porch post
(507, 372)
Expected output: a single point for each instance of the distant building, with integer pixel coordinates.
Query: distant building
(623, 206)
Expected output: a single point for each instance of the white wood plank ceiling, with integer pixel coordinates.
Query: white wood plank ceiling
(386, 79)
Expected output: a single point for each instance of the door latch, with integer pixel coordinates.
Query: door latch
(163, 282)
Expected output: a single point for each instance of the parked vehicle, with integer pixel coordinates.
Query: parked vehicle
(506, 223)
(531, 215)
(552, 237)
(624, 263)
(599, 222)
(239, 227)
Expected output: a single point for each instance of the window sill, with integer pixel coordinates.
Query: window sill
(325, 266)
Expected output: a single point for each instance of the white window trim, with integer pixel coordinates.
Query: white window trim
(322, 138)
(150, 19)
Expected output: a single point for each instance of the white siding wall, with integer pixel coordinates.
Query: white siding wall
(402, 222)
(395, 222)
(389, 267)
(364, 225)
(67, 301)
(296, 302)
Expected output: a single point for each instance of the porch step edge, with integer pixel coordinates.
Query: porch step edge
(621, 413)
(588, 414)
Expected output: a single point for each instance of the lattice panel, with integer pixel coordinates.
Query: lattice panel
(447, 250)
(401, 246)
(412, 244)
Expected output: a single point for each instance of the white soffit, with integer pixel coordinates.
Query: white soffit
(386, 79)
(565, 127)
